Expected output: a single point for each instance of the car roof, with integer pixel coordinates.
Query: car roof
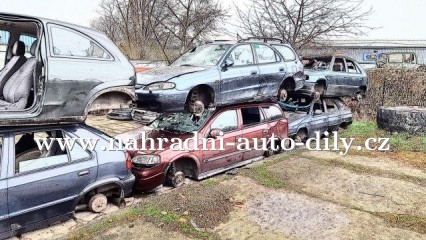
(328, 56)
(245, 105)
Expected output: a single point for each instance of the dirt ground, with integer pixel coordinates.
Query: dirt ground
(298, 195)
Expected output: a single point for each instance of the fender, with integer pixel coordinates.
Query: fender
(184, 155)
(97, 184)
(129, 90)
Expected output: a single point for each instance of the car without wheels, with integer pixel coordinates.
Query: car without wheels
(334, 76)
(40, 186)
(54, 72)
(307, 116)
(153, 168)
(222, 73)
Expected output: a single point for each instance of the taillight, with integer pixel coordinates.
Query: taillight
(128, 160)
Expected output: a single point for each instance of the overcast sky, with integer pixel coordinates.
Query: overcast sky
(395, 19)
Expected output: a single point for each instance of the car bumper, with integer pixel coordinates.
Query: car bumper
(171, 100)
(300, 82)
(148, 179)
(307, 88)
(128, 184)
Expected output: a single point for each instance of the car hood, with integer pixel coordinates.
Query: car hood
(164, 74)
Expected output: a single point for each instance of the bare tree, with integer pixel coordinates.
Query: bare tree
(300, 22)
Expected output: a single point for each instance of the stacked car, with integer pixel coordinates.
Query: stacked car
(54, 74)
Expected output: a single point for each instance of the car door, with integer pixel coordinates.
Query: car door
(228, 122)
(272, 70)
(355, 75)
(4, 211)
(240, 81)
(319, 120)
(254, 128)
(45, 184)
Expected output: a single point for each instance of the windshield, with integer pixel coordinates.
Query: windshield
(204, 55)
(180, 122)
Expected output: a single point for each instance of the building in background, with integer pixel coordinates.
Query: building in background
(368, 52)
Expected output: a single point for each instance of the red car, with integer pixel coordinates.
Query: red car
(228, 124)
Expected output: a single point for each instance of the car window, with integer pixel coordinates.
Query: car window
(77, 152)
(29, 157)
(1, 149)
(226, 121)
(72, 44)
(331, 106)
(287, 53)
(4, 41)
(339, 65)
(204, 55)
(28, 41)
(272, 113)
(251, 116)
(265, 54)
(352, 67)
(318, 108)
(242, 55)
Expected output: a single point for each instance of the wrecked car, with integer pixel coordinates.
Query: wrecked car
(334, 76)
(42, 187)
(398, 60)
(58, 72)
(221, 73)
(307, 116)
(153, 168)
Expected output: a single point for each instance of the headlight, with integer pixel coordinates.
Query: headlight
(146, 160)
(160, 86)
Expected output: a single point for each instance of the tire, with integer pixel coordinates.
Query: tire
(282, 95)
(198, 102)
(97, 203)
(301, 136)
(176, 179)
(270, 152)
(402, 119)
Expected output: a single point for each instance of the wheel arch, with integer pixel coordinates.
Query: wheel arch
(107, 97)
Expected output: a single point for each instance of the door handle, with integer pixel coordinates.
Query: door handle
(266, 131)
(253, 72)
(84, 173)
(282, 69)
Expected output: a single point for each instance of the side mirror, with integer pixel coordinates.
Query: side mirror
(214, 133)
(228, 63)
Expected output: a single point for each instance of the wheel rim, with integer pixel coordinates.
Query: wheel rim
(99, 204)
(283, 95)
(197, 108)
(178, 179)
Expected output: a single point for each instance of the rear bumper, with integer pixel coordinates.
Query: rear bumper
(162, 100)
(128, 184)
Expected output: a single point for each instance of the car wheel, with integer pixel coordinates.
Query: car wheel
(198, 102)
(283, 95)
(177, 179)
(316, 96)
(301, 136)
(98, 203)
(270, 152)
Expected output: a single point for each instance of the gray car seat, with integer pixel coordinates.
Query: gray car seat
(17, 89)
(13, 65)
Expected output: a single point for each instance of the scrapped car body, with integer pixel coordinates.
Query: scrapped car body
(334, 76)
(58, 72)
(221, 73)
(407, 60)
(42, 187)
(307, 116)
(153, 168)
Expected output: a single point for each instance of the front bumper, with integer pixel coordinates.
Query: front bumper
(148, 179)
(300, 82)
(171, 100)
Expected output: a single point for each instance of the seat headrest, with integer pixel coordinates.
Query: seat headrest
(33, 48)
(18, 49)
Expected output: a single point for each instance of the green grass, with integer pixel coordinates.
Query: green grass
(265, 177)
(405, 221)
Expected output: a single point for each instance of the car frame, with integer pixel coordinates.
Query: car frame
(328, 82)
(67, 86)
(33, 198)
(174, 166)
(196, 88)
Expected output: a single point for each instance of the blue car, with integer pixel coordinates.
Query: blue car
(334, 76)
(222, 73)
(41, 187)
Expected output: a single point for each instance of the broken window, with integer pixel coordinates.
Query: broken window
(331, 106)
(226, 121)
(272, 113)
(4, 42)
(28, 156)
(339, 65)
(251, 116)
(317, 63)
(318, 108)
(352, 67)
(180, 122)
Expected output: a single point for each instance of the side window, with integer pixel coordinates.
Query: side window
(77, 152)
(28, 41)
(339, 65)
(251, 116)
(1, 149)
(318, 108)
(28, 156)
(272, 113)
(69, 43)
(265, 54)
(331, 106)
(227, 121)
(242, 55)
(352, 67)
(288, 53)
(4, 41)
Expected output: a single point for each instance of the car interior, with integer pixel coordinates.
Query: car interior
(18, 64)
(317, 63)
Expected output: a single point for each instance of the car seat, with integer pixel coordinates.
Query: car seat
(13, 65)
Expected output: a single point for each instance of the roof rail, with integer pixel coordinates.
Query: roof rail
(264, 39)
(218, 40)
